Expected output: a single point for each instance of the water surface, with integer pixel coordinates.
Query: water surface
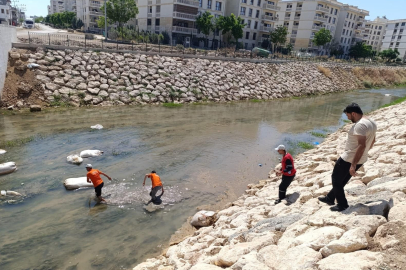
(204, 155)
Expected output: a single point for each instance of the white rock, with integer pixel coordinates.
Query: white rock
(2, 152)
(98, 126)
(74, 159)
(316, 239)
(358, 260)
(205, 266)
(75, 183)
(8, 167)
(203, 218)
(392, 186)
(351, 240)
(90, 153)
(398, 212)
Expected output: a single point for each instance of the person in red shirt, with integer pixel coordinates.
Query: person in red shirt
(287, 171)
(156, 186)
(93, 176)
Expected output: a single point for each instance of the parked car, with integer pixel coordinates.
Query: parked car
(29, 24)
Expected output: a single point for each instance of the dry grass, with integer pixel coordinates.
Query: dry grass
(324, 71)
(374, 77)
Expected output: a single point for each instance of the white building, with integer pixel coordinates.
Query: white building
(351, 24)
(89, 11)
(5, 12)
(374, 33)
(395, 37)
(58, 6)
(216, 8)
(251, 11)
(304, 18)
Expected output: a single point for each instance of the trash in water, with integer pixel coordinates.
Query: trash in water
(74, 159)
(2, 151)
(98, 126)
(260, 165)
(316, 143)
(91, 153)
(32, 65)
(387, 95)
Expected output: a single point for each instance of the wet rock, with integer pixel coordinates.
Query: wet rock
(35, 108)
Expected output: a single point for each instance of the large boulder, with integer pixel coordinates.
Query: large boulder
(391, 186)
(318, 238)
(8, 167)
(205, 266)
(390, 234)
(90, 153)
(358, 260)
(75, 183)
(398, 212)
(203, 219)
(351, 240)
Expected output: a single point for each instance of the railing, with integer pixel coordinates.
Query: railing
(323, 9)
(293, 35)
(158, 15)
(185, 30)
(185, 16)
(265, 28)
(188, 2)
(288, 9)
(316, 27)
(271, 7)
(295, 26)
(96, 13)
(321, 19)
(269, 18)
(298, 8)
(287, 18)
(297, 17)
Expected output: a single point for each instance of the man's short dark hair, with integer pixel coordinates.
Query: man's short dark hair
(353, 107)
(153, 172)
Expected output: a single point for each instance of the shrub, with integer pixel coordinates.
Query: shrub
(367, 84)
(324, 71)
(180, 47)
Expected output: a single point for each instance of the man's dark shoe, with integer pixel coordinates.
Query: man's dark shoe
(278, 201)
(337, 208)
(326, 200)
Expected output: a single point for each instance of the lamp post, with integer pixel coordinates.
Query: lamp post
(105, 20)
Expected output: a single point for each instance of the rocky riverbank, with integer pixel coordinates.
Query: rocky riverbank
(81, 78)
(302, 233)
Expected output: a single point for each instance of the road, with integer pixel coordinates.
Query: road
(45, 29)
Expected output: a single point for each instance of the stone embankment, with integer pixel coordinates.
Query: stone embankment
(302, 233)
(98, 78)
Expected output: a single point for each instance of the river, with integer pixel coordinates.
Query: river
(205, 155)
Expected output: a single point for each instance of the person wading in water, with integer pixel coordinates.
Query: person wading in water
(94, 176)
(287, 171)
(156, 186)
(361, 138)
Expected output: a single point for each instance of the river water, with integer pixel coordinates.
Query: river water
(205, 155)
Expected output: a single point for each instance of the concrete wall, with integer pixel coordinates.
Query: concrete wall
(8, 34)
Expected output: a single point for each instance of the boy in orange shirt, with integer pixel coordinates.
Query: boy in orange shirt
(94, 176)
(156, 186)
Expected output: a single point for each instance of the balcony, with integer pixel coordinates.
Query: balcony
(295, 26)
(184, 30)
(322, 9)
(320, 19)
(287, 18)
(297, 18)
(271, 7)
(94, 4)
(191, 3)
(184, 16)
(293, 35)
(265, 28)
(361, 20)
(316, 27)
(298, 8)
(269, 18)
(96, 13)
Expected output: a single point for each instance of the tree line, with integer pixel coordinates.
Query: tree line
(64, 20)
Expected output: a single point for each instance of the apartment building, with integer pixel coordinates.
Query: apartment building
(374, 32)
(177, 17)
(5, 12)
(350, 27)
(217, 9)
(251, 11)
(58, 6)
(304, 18)
(89, 11)
(395, 37)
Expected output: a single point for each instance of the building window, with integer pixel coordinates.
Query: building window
(343, 31)
(259, 3)
(335, 11)
(242, 12)
(329, 20)
(341, 40)
(254, 36)
(149, 22)
(348, 15)
(250, 12)
(396, 25)
(218, 6)
(249, 24)
(380, 27)
(247, 35)
(252, 2)
(345, 40)
(403, 24)
(256, 25)
(150, 9)
(334, 20)
(209, 4)
(157, 22)
(331, 10)
(244, 1)
(158, 9)
(200, 3)
(257, 15)
(347, 32)
(350, 33)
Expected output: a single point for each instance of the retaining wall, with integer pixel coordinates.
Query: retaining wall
(8, 35)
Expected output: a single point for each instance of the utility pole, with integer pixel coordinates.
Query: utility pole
(105, 19)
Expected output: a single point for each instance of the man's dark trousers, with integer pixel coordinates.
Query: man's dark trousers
(340, 177)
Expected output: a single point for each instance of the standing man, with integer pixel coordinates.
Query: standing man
(156, 186)
(361, 138)
(288, 172)
(94, 176)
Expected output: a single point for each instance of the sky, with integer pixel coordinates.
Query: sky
(393, 9)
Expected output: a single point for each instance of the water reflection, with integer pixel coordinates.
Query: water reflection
(204, 155)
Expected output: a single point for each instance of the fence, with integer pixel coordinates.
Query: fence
(214, 48)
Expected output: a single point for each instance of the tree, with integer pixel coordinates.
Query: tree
(389, 54)
(265, 44)
(360, 50)
(204, 23)
(39, 19)
(237, 27)
(278, 36)
(79, 24)
(121, 11)
(166, 38)
(101, 22)
(47, 19)
(322, 37)
(223, 24)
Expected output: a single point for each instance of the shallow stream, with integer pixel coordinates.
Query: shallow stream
(205, 155)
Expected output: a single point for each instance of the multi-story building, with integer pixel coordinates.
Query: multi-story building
(5, 12)
(251, 12)
(395, 37)
(304, 18)
(374, 33)
(177, 17)
(216, 8)
(58, 6)
(89, 11)
(351, 24)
